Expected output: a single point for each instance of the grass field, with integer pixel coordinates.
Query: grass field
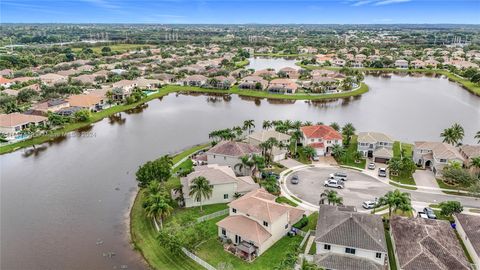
(349, 159)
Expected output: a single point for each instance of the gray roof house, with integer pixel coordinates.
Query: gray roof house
(262, 136)
(229, 153)
(347, 239)
(375, 145)
(427, 244)
(468, 228)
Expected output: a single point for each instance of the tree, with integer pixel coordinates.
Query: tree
(245, 163)
(455, 175)
(331, 196)
(475, 163)
(309, 151)
(338, 151)
(159, 170)
(335, 126)
(348, 131)
(82, 116)
(453, 135)
(170, 241)
(266, 124)
(248, 125)
(201, 189)
(295, 138)
(271, 184)
(396, 200)
(26, 95)
(449, 208)
(157, 207)
(477, 136)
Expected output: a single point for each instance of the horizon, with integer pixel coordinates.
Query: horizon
(219, 12)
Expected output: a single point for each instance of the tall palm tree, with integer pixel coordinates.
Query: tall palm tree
(348, 131)
(201, 189)
(458, 132)
(331, 196)
(248, 125)
(448, 136)
(258, 164)
(396, 200)
(153, 187)
(477, 136)
(309, 151)
(335, 126)
(157, 207)
(453, 135)
(297, 125)
(296, 136)
(307, 123)
(245, 163)
(266, 124)
(338, 151)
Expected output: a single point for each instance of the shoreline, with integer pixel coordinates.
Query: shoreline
(96, 117)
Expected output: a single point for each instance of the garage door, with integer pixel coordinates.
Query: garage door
(381, 160)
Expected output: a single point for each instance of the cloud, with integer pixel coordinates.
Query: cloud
(103, 3)
(388, 2)
(357, 3)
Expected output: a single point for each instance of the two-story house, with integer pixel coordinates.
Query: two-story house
(256, 222)
(123, 89)
(435, 155)
(346, 239)
(260, 137)
(225, 185)
(375, 145)
(321, 137)
(230, 153)
(253, 82)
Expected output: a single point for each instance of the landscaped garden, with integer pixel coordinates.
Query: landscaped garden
(401, 166)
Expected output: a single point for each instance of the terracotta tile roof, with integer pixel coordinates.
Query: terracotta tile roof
(16, 119)
(5, 80)
(471, 151)
(84, 100)
(234, 149)
(264, 135)
(374, 137)
(317, 145)
(245, 227)
(321, 131)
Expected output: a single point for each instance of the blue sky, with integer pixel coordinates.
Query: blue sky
(241, 11)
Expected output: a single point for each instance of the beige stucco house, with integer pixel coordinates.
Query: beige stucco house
(229, 153)
(262, 136)
(375, 145)
(435, 155)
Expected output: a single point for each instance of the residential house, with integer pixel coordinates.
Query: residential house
(221, 82)
(346, 239)
(375, 145)
(4, 82)
(89, 101)
(290, 72)
(339, 62)
(195, 80)
(6, 72)
(262, 136)
(225, 185)
(118, 71)
(286, 86)
(229, 153)
(431, 63)
(52, 105)
(253, 82)
(468, 228)
(435, 155)
(86, 79)
(427, 244)
(123, 89)
(469, 152)
(401, 63)
(148, 84)
(12, 124)
(51, 79)
(67, 72)
(321, 137)
(265, 73)
(357, 64)
(256, 222)
(418, 64)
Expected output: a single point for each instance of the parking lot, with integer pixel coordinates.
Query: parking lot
(358, 188)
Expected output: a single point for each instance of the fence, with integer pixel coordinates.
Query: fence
(197, 259)
(305, 237)
(213, 215)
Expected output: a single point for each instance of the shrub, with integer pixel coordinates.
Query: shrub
(301, 223)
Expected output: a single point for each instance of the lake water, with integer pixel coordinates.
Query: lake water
(259, 63)
(65, 206)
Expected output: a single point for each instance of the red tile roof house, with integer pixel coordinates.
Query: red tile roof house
(468, 228)
(255, 223)
(322, 138)
(4, 82)
(12, 124)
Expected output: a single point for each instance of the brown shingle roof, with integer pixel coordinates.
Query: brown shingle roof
(471, 226)
(245, 227)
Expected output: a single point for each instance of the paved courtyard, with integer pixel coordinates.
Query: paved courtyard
(425, 178)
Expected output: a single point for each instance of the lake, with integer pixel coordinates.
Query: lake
(259, 63)
(66, 205)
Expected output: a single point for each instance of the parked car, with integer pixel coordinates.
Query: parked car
(316, 158)
(294, 180)
(369, 204)
(429, 212)
(371, 166)
(422, 215)
(339, 176)
(382, 172)
(334, 183)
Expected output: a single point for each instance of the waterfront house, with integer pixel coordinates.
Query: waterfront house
(375, 145)
(435, 155)
(321, 137)
(285, 86)
(147, 84)
(255, 223)
(468, 228)
(12, 124)
(346, 239)
(229, 153)
(401, 63)
(253, 82)
(427, 244)
(290, 72)
(91, 102)
(86, 79)
(469, 152)
(262, 136)
(123, 89)
(418, 64)
(51, 79)
(194, 80)
(265, 73)
(225, 185)
(52, 105)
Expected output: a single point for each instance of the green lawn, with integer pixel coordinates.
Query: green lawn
(349, 159)
(115, 47)
(406, 179)
(391, 255)
(241, 64)
(395, 184)
(313, 249)
(399, 213)
(312, 222)
(285, 200)
(212, 252)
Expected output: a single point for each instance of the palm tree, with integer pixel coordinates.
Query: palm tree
(477, 136)
(153, 187)
(309, 151)
(395, 165)
(458, 132)
(245, 163)
(453, 135)
(248, 125)
(157, 207)
(335, 126)
(201, 189)
(297, 125)
(396, 200)
(307, 123)
(295, 137)
(266, 124)
(475, 162)
(348, 130)
(258, 164)
(338, 151)
(331, 196)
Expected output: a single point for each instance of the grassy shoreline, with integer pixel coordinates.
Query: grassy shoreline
(163, 92)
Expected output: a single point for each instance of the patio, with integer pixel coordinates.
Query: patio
(244, 251)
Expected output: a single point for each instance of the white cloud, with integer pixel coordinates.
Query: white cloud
(356, 3)
(388, 2)
(103, 3)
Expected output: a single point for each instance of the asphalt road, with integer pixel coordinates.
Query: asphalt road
(359, 188)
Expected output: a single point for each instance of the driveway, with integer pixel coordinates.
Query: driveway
(425, 178)
(290, 163)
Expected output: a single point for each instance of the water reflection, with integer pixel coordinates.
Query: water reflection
(116, 119)
(139, 109)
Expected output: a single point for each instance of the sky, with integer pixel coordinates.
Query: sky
(241, 11)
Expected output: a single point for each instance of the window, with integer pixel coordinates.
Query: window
(312, 140)
(265, 224)
(225, 196)
(350, 250)
(443, 160)
(327, 247)
(286, 226)
(224, 233)
(234, 210)
(329, 141)
(214, 156)
(378, 255)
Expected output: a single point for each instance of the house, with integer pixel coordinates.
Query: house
(4, 82)
(469, 152)
(226, 186)
(401, 64)
(339, 62)
(123, 89)
(86, 79)
(427, 244)
(435, 155)
(259, 137)
(290, 72)
(6, 72)
(375, 145)
(229, 153)
(118, 71)
(90, 102)
(468, 228)
(68, 72)
(357, 64)
(346, 239)
(195, 80)
(51, 79)
(148, 84)
(256, 222)
(286, 86)
(253, 82)
(52, 105)
(265, 73)
(431, 63)
(222, 82)
(321, 137)
(418, 64)
(12, 124)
